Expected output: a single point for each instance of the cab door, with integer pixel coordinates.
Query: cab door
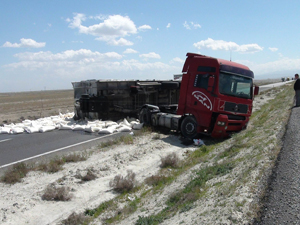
(200, 95)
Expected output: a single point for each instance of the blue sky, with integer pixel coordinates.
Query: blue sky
(45, 45)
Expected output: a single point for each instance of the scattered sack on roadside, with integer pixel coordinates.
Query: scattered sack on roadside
(137, 126)
(92, 129)
(46, 128)
(124, 128)
(108, 130)
(126, 123)
(65, 127)
(79, 127)
(198, 142)
(31, 130)
(17, 130)
(66, 122)
(110, 123)
(5, 130)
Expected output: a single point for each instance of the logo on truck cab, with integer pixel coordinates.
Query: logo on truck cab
(203, 99)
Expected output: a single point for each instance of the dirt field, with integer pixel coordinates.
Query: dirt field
(18, 106)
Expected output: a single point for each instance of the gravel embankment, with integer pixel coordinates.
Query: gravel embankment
(282, 203)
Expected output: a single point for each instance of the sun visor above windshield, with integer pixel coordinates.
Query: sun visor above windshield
(236, 70)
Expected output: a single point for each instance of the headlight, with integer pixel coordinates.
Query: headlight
(220, 123)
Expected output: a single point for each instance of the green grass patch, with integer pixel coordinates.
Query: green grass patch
(108, 205)
(206, 174)
(158, 180)
(183, 200)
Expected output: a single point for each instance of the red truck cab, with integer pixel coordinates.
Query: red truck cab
(216, 96)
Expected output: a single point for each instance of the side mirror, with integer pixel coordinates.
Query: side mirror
(256, 90)
(211, 82)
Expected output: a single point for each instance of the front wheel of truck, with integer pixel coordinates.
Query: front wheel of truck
(189, 127)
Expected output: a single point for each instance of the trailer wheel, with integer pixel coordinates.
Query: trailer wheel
(145, 116)
(189, 127)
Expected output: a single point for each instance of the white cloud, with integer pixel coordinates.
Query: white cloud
(149, 67)
(191, 25)
(228, 46)
(144, 27)
(273, 49)
(25, 43)
(152, 55)
(76, 41)
(77, 20)
(130, 51)
(177, 60)
(112, 29)
(69, 55)
(120, 42)
(116, 26)
(76, 65)
(195, 25)
(278, 65)
(186, 25)
(98, 17)
(272, 68)
(169, 25)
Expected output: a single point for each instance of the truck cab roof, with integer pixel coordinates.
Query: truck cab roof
(225, 65)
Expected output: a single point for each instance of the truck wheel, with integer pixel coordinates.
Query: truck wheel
(189, 127)
(145, 116)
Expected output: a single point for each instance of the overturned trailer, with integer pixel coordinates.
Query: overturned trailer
(114, 99)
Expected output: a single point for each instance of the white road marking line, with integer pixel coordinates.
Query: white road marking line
(56, 150)
(5, 140)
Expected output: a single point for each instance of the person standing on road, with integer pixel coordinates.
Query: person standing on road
(297, 89)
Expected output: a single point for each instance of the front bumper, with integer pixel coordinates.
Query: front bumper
(224, 126)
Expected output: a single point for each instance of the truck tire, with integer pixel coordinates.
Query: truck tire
(145, 116)
(189, 127)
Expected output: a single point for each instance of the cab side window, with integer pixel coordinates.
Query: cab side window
(201, 81)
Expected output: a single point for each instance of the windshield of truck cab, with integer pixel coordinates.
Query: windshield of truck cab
(235, 85)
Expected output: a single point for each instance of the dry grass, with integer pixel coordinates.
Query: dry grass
(123, 184)
(75, 218)
(16, 174)
(89, 176)
(20, 170)
(74, 157)
(170, 160)
(53, 193)
(53, 166)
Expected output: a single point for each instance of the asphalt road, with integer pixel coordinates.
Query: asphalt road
(24, 147)
(270, 86)
(282, 202)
